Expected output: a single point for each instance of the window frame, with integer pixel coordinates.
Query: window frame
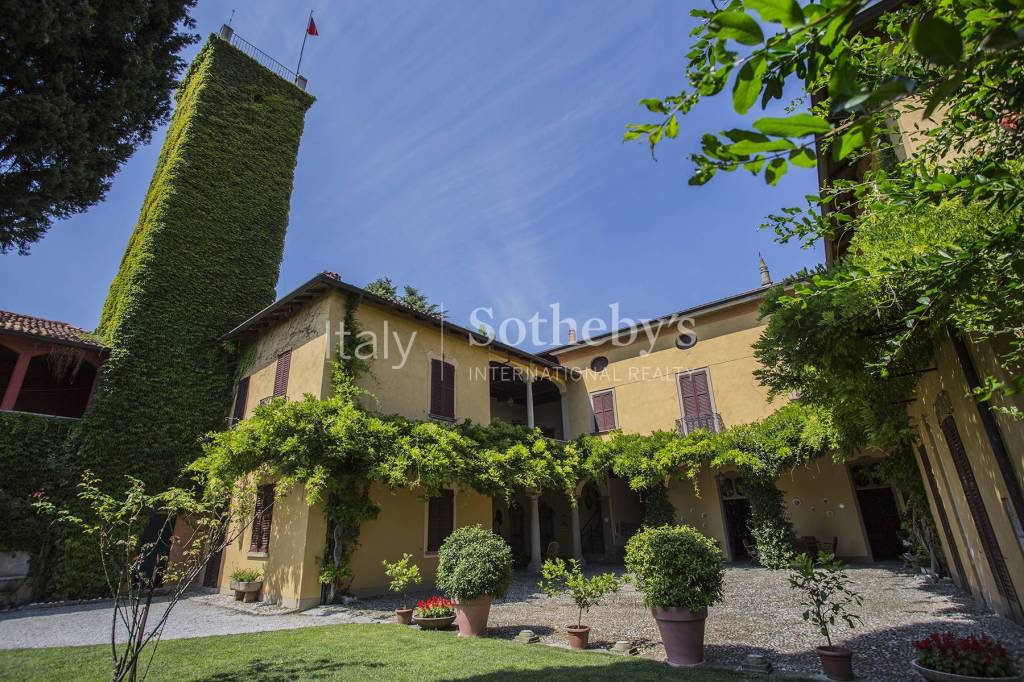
(287, 375)
(431, 357)
(427, 552)
(615, 410)
(262, 492)
(679, 390)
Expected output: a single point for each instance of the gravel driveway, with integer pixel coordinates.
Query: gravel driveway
(760, 614)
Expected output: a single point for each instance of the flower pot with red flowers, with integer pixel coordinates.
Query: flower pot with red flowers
(943, 657)
(436, 613)
(474, 565)
(828, 597)
(680, 572)
(403, 573)
(585, 592)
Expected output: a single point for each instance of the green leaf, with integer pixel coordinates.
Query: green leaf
(748, 84)
(803, 157)
(793, 126)
(672, 127)
(776, 169)
(747, 147)
(738, 26)
(937, 40)
(785, 12)
(654, 105)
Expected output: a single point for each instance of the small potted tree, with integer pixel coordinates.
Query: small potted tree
(403, 574)
(436, 613)
(474, 565)
(585, 592)
(680, 572)
(827, 598)
(947, 658)
(246, 582)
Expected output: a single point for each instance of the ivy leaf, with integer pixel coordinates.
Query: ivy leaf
(792, 126)
(738, 26)
(748, 84)
(937, 40)
(785, 12)
(803, 157)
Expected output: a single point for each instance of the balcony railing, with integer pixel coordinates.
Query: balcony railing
(712, 422)
(264, 59)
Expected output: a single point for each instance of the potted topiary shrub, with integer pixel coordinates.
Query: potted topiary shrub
(436, 613)
(947, 658)
(474, 565)
(680, 572)
(246, 582)
(403, 574)
(585, 592)
(827, 596)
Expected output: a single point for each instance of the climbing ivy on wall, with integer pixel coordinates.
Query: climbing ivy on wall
(205, 256)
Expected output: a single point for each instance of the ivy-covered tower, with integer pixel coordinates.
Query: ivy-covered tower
(205, 256)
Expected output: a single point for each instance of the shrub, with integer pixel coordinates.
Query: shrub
(675, 566)
(827, 592)
(435, 607)
(403, 574)
(246, 575)
(973, 656)
(585, 592)
(473, 563)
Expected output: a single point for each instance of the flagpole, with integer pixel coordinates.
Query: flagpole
(305, 34)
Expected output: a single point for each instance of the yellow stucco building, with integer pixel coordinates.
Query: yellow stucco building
(424, 368)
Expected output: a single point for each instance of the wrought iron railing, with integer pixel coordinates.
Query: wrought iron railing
(712, 422)
(264, 59)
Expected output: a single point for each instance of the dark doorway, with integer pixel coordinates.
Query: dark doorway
(547, 527)
(878, 510)
(737, 525)
(881, 522)
(737, 516)
(591, 523)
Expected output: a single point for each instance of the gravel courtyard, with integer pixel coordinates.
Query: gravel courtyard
(760, 614)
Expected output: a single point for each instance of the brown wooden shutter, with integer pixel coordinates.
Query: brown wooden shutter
(442, 389)
(241, 398)
(604, 411)
(696, 395)
(440, 519)
(284, 363)
(262, 516)
(976, 505)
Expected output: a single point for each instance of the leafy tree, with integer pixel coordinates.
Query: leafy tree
(410, 297)
(383, 287)
(82, 85)
(851, 336)
(585, 592)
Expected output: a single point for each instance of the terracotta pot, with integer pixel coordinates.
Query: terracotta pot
(837, 661)
(403, 616)
(578, 636)
(442, 623)
(937, 676)
(471, 616)
(682, 633)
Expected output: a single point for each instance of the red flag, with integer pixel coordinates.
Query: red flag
(311, 29)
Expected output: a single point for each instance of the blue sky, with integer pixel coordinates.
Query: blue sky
(472, 149)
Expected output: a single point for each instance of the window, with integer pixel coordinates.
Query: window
(604, 411)
(599, 363)
(284, 364)
(262, 514)
(442, 389)
(696, 402)
(440, 519)
(241, 398)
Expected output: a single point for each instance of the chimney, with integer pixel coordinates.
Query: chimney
(572, 335)
(766, 278)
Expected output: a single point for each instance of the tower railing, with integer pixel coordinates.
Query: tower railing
(261, 57)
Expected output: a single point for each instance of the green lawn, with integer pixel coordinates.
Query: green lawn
(352, 652)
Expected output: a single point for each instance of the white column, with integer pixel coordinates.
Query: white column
(535, 556)
(565, 415)
(529, 402)
(577, 541)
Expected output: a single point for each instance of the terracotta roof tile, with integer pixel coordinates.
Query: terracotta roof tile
(47, 329)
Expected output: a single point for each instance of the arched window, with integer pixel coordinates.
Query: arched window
(56, 384)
